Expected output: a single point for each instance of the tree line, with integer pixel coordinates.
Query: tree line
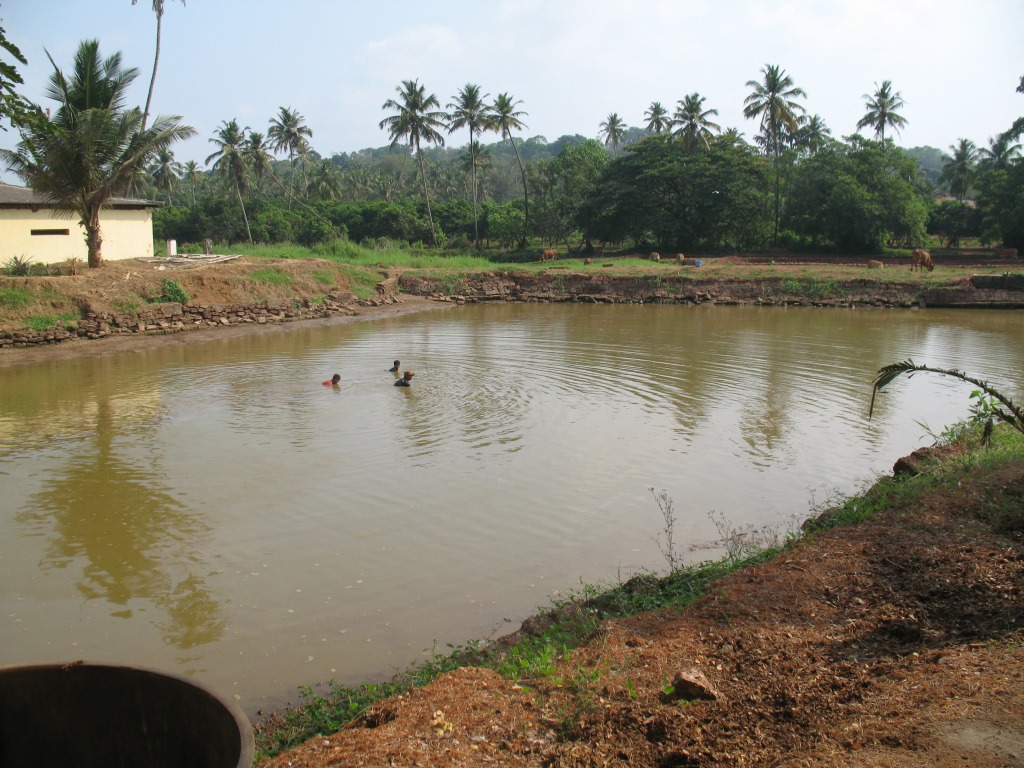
(678, 183)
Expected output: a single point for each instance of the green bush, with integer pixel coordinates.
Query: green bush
(172, 291)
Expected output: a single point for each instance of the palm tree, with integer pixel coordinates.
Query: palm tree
(692, 124)
(773, 101)
(812, 133)
(158, 9)
(288, 133)
(191, 173)
(657, 118)
(417, 121)
(882, 106)
(229, 162)
(93, 148)
(958, 171)
(165, 171)
(505, 118)
(1000, 154)
(325, 183)
(613, 129)
(257, 156)
(470, 111)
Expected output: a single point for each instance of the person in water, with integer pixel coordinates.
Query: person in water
(395, 367)
(334, 381)
(406, 380)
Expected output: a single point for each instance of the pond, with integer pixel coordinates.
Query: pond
(213, 510)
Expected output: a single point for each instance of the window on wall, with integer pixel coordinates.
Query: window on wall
(51, 232)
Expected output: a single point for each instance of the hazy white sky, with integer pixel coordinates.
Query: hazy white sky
(957, 63)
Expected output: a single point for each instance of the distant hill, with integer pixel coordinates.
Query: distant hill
(930, 159)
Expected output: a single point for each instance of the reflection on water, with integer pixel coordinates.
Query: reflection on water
(212, 509)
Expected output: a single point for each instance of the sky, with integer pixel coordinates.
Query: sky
(956, 63)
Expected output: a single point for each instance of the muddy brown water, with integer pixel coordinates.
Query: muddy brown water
(213, 510)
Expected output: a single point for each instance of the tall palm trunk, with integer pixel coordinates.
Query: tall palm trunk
(472, 160)
(152, 78)
(94, 238)
(526, 194)
(426, 194)
(244, 216)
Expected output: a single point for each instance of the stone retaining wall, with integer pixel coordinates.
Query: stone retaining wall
(174, 318)
(552, 286)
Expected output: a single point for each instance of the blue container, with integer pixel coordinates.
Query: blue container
(697, 262)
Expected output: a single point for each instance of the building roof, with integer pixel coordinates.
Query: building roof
(12, 196)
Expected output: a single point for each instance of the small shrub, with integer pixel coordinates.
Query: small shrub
(127, 305)
(72, 265)
(45, 322)
(172, 291)
(18, 266)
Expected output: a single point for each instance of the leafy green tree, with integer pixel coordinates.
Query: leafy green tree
(952, 220)
(229, 162)
(661, 196)
(773, 101)
(288, 133)
(692, 125)
(579, 169)
(882, 106)
(93, 148)
(470, 111)
(158, 9)
(857, 197)
(165, 171)
(506, 118)
(958, 171)
(1000, 154)
(417, 121)
(612, 129)
(657, 117)
(14, 107)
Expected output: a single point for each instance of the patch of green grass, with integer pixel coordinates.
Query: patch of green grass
(15, 297)
(127, 305)
(45, 322)
(271, 276)
(362, 281)
(323, 276)
(813, 288)
(172, 291)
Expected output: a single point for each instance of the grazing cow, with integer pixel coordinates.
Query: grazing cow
(921, 259)
(549, 255)
(1006, 253)
(873, 264)
(587, 261)
(681, 258)
(655, 256)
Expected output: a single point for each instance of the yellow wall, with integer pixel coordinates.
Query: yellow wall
(127, 234)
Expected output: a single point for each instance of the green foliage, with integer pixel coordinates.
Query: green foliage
(323, 277)
(15, 297)
(813, 288)
(271, 276)
(45, 322)
(664, 198)
(951, 220)
(857, 197)
(171, 291)
(18, 266)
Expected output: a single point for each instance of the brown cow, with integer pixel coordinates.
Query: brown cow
(549, 255)
(588, 261)
(873, 264)
(1006, 253)
(681, 258)
(655, 256)
(921, 259)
